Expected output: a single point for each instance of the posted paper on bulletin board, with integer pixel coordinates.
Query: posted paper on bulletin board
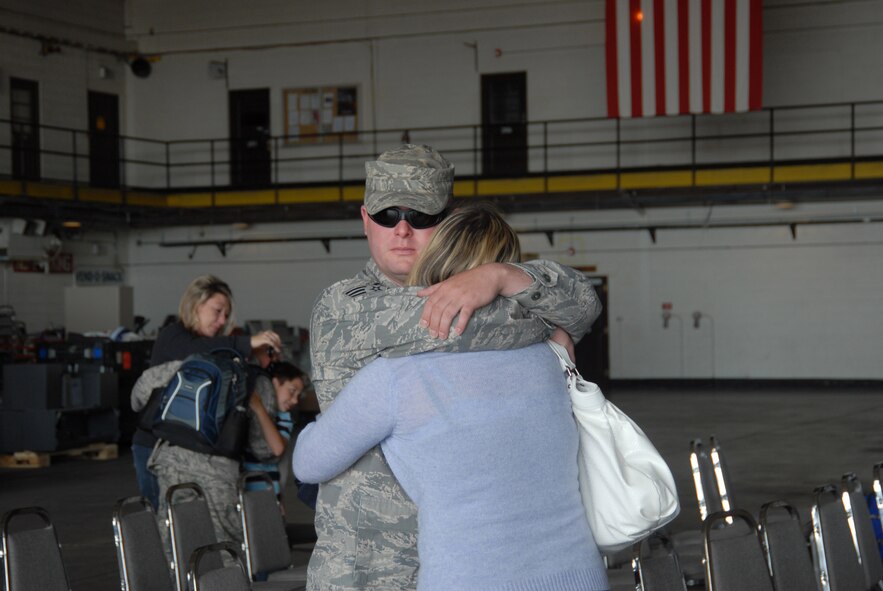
(318, 115)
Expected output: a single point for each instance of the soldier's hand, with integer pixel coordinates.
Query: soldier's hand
(561, 337)
(462, 294)
(266, 338)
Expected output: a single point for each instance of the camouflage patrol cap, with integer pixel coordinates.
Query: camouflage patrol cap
(411, 176)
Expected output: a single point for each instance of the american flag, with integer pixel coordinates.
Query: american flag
(671, 57)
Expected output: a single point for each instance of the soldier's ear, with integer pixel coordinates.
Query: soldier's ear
(365, 220)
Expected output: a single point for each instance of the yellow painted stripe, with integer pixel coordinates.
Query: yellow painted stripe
(146, 199)
(189, 200)
(868, 170)
(465, 188)
(49, 191)
(310, 195)
(510, 186)
(648, 180)
(733, 176)
(354, 193)
(812, 172)
(237, 198)
(100, 195)
(572, 184)
(322, 194)
(14, 188)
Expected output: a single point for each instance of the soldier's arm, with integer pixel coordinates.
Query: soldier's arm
(560, 295)
(347, 332)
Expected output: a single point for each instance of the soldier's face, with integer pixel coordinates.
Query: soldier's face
(395, 250)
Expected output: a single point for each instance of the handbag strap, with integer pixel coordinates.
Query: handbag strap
(570, 371)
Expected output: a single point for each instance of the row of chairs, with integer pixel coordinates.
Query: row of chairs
(837, 551)
(32, 559)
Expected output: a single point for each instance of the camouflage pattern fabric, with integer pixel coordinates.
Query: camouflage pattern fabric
(366, 524)
(216, 475)
(257, 444)
(154, 377)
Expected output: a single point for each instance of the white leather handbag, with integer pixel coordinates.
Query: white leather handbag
(628, 490)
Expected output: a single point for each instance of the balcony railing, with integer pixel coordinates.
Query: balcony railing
(846, 133)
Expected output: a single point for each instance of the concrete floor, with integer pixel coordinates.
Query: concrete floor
(780, 442)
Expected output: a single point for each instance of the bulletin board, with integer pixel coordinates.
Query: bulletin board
(317, 115)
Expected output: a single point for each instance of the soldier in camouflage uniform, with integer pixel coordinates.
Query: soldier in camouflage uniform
(366, 524)
(216, 475)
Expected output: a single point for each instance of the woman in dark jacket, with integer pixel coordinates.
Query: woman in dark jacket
(204, 317)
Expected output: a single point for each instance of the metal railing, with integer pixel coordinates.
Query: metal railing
(841, 132)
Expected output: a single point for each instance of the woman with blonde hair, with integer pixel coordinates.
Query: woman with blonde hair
(483, 442)
(205, 315)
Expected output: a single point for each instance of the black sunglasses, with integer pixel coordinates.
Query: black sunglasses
(391, 216)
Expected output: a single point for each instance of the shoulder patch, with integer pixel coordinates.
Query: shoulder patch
(356, 291)
(362, 289)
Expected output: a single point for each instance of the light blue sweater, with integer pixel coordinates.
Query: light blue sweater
(485, 445)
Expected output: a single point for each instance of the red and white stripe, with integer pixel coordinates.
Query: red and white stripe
(672, 57)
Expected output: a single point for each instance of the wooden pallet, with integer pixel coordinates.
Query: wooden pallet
(32, 459)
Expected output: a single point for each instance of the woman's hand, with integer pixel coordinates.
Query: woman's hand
(266, 338)
(461, 295)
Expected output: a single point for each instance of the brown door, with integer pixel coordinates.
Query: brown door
(593, 351)
(504, 124)
(104, 139)
(250, 164)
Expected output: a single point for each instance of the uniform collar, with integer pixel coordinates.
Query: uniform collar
(377, 275)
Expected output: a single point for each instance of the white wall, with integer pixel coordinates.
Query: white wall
(780, 307)
(65, 77)
(419, 64)
(38, 298)
(269, 281)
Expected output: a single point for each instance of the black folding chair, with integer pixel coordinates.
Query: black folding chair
(734, 557)
(656, 565)
(266, 544)
(859, 520)
(834, 551)
(140, 555)
(204, 574)
(787, 550)
(190, 527)
(31, 552)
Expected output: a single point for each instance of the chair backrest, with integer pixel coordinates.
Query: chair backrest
(721, 475)
(787, 550)
(31, 552)
(656, 565)
(204, 574)
(190, 527)
(875, 502)
(140, 555)
(836, 561)
(704, 480)
(263, 527)
(859, 520)
(734, 558)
